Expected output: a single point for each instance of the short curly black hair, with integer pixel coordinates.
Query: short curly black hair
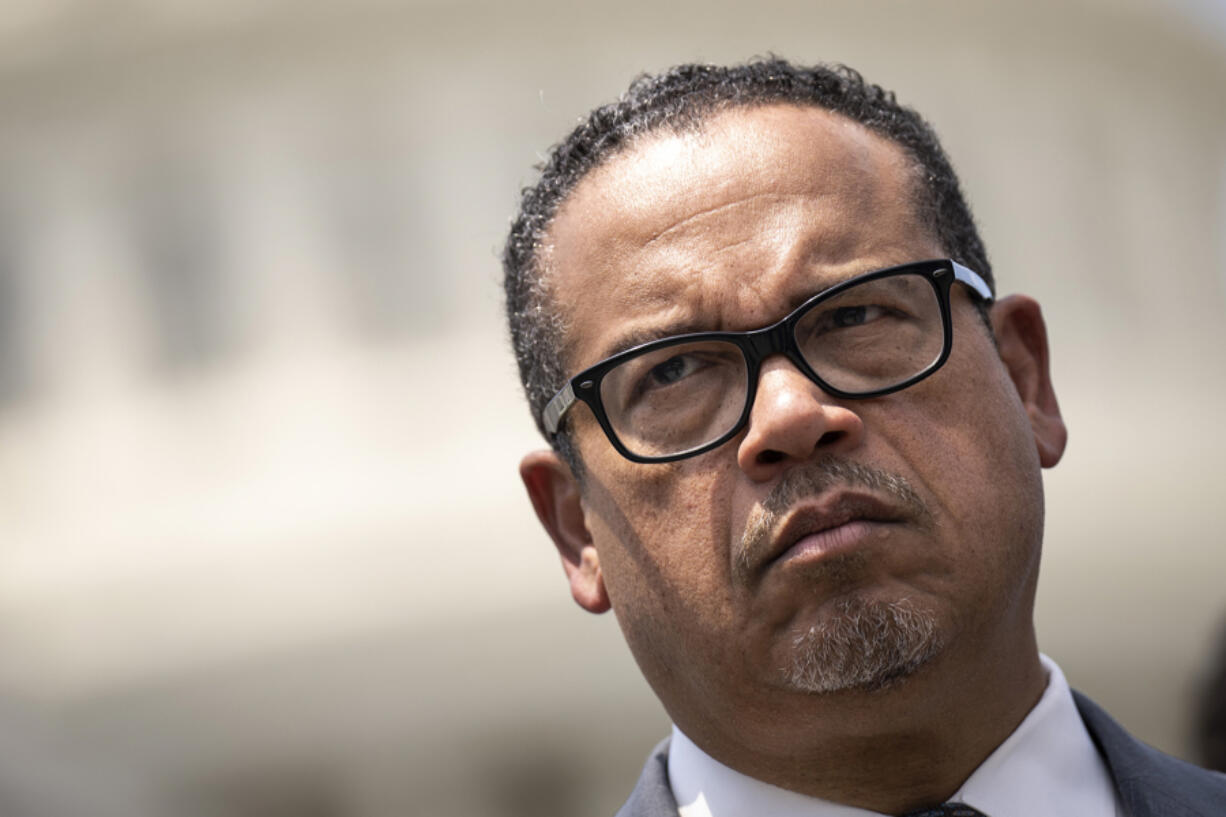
(681, 99)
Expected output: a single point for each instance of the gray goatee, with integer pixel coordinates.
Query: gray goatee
(860, 644)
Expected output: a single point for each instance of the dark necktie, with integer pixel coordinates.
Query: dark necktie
(947, 810)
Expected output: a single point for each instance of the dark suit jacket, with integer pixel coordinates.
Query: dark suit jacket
(1150, 783)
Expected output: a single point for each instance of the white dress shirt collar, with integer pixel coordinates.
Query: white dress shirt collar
(1048, 766)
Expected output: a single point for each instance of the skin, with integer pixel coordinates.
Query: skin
(730, 228)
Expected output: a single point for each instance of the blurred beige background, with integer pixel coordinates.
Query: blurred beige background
(263, 550)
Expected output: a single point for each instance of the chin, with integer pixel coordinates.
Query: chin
(862, 645)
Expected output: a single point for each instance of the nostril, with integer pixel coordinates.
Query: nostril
(770, 456)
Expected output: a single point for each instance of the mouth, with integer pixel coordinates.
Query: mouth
(829, 526)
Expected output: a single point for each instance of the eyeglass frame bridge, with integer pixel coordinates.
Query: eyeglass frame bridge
(757, 345)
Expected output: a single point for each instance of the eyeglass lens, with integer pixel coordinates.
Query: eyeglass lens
(868, 337)
(873, 335)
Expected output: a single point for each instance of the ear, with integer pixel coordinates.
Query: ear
(555, 496)
(1021, 337)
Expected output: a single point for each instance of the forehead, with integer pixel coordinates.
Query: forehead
(727, 226)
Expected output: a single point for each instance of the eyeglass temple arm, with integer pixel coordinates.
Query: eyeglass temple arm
(972, 279)
(557, 407)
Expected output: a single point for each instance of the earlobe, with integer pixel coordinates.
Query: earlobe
(555, 496)
(1021, 337)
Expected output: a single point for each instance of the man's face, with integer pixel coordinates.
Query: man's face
(749, 577)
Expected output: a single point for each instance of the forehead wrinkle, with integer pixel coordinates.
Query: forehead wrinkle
(686, 224)
(782, 241)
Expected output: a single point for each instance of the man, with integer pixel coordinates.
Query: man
(796, 448)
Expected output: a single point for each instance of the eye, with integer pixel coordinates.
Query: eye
(673, 370)
(846, 316)
(662, 383)
(849, 317)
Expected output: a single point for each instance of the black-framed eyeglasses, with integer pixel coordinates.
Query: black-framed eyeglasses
(864, 337)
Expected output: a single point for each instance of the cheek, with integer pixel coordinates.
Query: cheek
(971, 446)
(662, 533)
(968, 426)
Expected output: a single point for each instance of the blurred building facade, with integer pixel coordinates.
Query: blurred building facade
(263, 550)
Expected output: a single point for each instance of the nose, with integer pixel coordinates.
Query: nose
(791, 420)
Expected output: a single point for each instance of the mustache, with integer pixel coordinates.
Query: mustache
(812, 479)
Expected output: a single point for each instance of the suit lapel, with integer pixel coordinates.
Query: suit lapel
(1150, 783)
(652, 795)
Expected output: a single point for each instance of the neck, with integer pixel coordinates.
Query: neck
(905, 747)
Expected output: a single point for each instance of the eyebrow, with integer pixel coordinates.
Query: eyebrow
(637, 337)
